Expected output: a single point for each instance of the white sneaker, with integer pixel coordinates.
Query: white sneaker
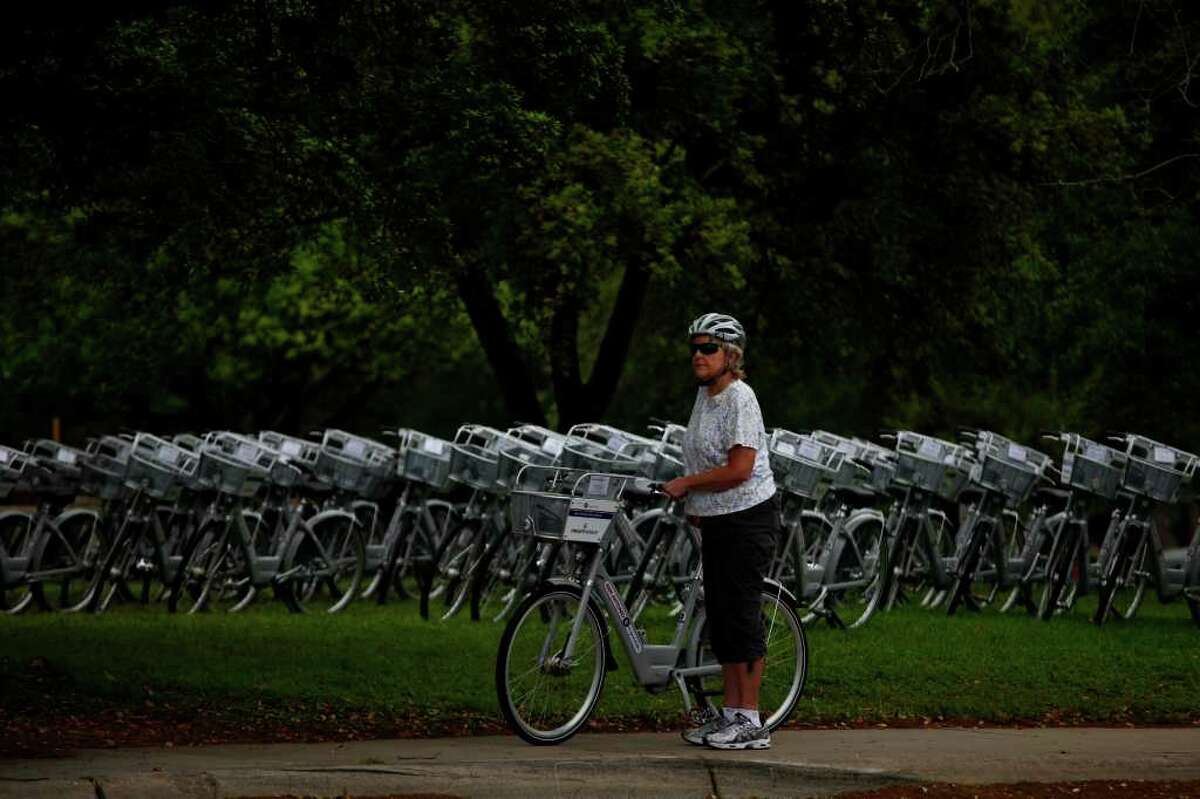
(696, 735)
(741, 733)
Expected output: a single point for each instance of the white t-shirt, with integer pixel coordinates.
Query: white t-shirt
(718, 424)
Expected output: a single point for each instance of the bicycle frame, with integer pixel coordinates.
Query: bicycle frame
(654, 665)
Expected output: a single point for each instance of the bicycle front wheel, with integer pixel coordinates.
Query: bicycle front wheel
(546, 693)
(1123, 578)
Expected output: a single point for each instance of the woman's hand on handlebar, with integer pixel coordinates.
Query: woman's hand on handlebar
(675, 489)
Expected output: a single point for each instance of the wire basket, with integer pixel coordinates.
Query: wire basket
(803, 466)
(932, 465)
(549, 441)
(104, 465)
(474, 466)
(590, 456)
(515, 454)
(475, 458)
(425, 459)
(1007, 467)
(667, 463)
(560, 504)
(1092, 467)
(159, 468)
(57, 470)
(221, 472)
(1156, 470)
(290, 448)
(355, 464)
(12, 467)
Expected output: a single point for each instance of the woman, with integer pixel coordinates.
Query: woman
(730, 498)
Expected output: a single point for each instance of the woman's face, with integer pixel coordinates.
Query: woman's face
(706, 367)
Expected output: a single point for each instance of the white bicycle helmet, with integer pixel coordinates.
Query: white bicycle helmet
(722, 327)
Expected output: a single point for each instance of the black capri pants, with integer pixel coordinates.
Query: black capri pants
(736, 549)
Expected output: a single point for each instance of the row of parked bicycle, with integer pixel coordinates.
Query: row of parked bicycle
(482, 520)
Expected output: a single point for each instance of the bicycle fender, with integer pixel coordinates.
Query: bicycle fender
(771, 586)
(9, 514)
(333, 513)
(651, 514)
(610, 660)
(330, 513)
(860, 516)
(75, 513)
(816, 516)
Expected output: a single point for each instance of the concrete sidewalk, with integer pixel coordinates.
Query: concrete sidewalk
(800, 763)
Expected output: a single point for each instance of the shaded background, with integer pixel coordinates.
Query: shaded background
(285, 214)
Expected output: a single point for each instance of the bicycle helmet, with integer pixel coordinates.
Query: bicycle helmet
(722, 327)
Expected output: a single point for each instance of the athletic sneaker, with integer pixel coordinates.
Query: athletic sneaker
(695, 735)
(741, 733)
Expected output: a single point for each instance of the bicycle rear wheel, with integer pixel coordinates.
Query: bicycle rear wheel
(785, 668)
(862, 561)
(15, 531)
(546, 696)
(1123, 577)
(331, 555)
(72, 552)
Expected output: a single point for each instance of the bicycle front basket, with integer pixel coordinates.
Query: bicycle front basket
(514, 455)
(572, 506)
(579, 453)
(105, 463)
(426, 460)
(1156, 470)
(931, 464)
(12, 465)
(803, 466)
(158, 467)
(225, 474)
(1092, 467)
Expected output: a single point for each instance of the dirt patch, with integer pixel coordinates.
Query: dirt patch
(1110, 789)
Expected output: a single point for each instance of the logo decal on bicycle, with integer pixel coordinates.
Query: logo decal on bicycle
(623, 616)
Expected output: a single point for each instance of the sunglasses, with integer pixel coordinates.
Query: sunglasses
(708, 348)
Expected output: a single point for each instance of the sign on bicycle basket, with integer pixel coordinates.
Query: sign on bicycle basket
(589, 519)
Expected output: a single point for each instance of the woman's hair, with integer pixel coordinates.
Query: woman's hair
(734, 357)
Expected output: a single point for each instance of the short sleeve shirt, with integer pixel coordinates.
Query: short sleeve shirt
(718, 424)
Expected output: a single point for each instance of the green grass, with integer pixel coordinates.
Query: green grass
(907, 665)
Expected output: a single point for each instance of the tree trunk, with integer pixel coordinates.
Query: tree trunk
(495, 336)
(618, 336)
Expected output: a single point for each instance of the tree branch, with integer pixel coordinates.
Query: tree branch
(1121, 178)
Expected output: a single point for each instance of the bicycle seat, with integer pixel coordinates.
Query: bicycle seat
(1047, 492)
(856, 494)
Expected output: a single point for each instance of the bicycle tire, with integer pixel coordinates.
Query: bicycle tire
(75, 546)
(1058, 571)
(502, 579)
(863, 553)
(555, 706)
(15, 530)
(1121, 570)
(968, 561)
(328, 553)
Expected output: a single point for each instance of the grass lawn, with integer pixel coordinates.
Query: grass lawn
(907, 666)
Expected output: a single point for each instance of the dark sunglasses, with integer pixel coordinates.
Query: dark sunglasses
(708, 348)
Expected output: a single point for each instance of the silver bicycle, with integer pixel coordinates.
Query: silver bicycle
(555, 651)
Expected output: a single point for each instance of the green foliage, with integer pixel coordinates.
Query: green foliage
(280, 214)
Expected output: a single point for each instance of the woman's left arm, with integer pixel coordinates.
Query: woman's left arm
(736, 471)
